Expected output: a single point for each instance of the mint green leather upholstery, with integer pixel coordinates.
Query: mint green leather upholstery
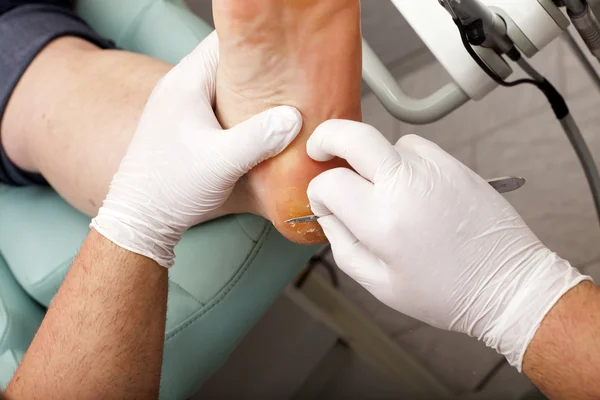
(20, 318)
(227, 272)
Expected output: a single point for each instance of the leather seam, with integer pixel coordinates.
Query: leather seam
(186, 292)
(237, 219)
(54, 272)
(8, 319)
(4, 307)
(231, 286)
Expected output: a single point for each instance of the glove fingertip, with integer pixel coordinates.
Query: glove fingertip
(288, 113)
(281, 125)
(314, 145)
(271, 131)
(261, 137)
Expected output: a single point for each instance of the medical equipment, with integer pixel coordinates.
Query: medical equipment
(501, 185)
(585, 22)
(470, 39)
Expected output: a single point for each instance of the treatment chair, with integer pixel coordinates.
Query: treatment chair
(227, 273)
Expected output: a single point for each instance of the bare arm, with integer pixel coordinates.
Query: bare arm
(103, 334)
(563, 360)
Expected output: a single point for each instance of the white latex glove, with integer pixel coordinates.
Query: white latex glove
(181, 165)
(433, 240)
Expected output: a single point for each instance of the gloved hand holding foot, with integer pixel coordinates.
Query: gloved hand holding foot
(432, 239)
(175, 175)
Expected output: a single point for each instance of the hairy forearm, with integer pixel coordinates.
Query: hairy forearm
(103, 334)
(563, 360)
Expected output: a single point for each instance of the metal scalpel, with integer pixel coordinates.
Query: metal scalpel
(502, 185)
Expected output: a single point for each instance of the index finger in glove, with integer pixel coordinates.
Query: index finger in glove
(343, 193)
(353, 257)
(363, 146)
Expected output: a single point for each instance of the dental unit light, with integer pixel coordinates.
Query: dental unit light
(472, 39)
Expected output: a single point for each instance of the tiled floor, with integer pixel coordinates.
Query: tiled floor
(511, 132)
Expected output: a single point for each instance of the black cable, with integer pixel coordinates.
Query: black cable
(316, 261)
(332, 269)
(313, 263)
(557, 102)
(484, 382)
(465, 39)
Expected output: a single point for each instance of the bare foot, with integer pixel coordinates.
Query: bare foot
(303, 53)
